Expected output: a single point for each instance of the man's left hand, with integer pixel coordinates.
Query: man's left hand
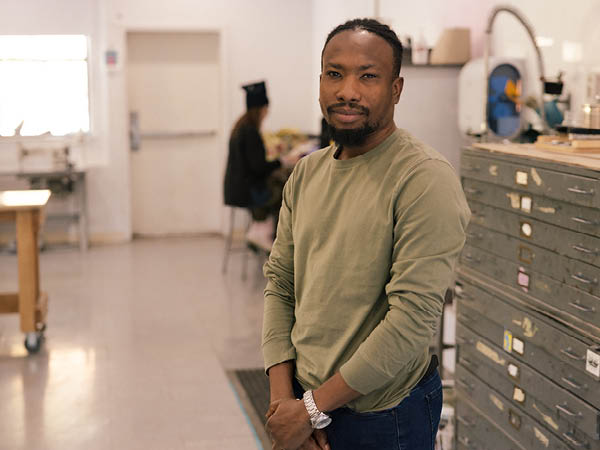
(289, 425)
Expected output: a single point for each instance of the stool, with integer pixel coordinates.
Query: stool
(229, 248)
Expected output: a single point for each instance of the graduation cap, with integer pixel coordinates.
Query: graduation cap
(256, 94)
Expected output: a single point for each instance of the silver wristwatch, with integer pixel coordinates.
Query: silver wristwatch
(318, 419)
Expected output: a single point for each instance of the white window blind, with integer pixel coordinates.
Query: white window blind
(44, 84)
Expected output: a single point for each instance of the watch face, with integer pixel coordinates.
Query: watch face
(322, 421)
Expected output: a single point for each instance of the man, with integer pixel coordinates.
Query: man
(369, 232)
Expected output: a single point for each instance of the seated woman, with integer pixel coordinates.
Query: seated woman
(247, 177)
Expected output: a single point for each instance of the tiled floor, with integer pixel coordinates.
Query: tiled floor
(138, 338)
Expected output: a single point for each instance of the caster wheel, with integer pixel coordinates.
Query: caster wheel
(33, 342)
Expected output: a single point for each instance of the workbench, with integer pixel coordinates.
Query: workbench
(26, 209)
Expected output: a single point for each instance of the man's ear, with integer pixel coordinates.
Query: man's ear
(397, 86)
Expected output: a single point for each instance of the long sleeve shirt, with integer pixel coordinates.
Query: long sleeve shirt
(365, 251)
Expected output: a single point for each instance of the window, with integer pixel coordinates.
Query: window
(44, 85)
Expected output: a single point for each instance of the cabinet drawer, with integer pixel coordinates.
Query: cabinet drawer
(555, 212)
(523, 334)
(474, 432)
(521, 427)
(539, 396)
(553, 293)
(579, 246)
(567, 187)
(566, 270)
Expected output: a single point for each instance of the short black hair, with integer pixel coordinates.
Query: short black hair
(376, 27)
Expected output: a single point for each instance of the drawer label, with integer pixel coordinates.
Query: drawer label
(497, 402)
(489, 353)
(513, 370)
(514, 199)
(519, 395)
(507, 344)
(535, 176)
(521, 178)
(518, 346)
(526, 204)
(592, 361)
(526, 229)
(548, 419)
(541, 437)
(546, 209)
(523, 279)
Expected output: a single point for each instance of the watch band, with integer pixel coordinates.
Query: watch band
(318, 419)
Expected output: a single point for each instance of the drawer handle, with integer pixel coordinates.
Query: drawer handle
(579, 277)
(466, 362)
(464, 384)
(465, 441)
(583, 221)
(471, 258)
(569, 354)
(569, 437)
(579, 307)
(472, 191)
(582, 249)
(573, 384)
(576, 190)
(464, 297)
(465, 422)
(567, 411)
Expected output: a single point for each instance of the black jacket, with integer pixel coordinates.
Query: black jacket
(247, 166)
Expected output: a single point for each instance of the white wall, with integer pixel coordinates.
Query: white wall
(262, 39)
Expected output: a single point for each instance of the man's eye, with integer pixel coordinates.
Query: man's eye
(333, 74)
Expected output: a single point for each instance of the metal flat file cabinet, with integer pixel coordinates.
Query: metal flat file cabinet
(528, 300)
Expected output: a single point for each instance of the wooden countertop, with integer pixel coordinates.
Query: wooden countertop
(588, 161)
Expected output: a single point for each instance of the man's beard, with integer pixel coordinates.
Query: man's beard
(351, 136)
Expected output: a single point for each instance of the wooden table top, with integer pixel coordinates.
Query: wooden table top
(23, 200)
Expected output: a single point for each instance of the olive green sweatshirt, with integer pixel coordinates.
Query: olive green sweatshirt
(365, 251)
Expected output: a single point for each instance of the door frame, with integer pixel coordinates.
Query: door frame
(222, 137)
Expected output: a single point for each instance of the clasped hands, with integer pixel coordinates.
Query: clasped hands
(288, 424)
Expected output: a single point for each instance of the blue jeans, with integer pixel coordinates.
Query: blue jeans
(411, 425)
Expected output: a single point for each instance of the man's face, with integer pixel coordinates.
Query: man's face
(357, 88)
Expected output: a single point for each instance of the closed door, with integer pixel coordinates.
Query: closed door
(174, 105)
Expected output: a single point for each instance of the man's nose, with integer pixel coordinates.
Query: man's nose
(348, 90)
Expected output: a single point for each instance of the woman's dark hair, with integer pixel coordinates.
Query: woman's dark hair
(250, 117)
(376, 27)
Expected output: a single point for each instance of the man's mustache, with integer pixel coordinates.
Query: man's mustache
(343, 105)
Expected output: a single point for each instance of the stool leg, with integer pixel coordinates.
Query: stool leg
(228, 240)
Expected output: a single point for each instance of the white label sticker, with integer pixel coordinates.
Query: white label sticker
(513, 370)
(526, 204)
(518, 345)
(592, 361)
(521, 178)
(526, 229)
(519, 395)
